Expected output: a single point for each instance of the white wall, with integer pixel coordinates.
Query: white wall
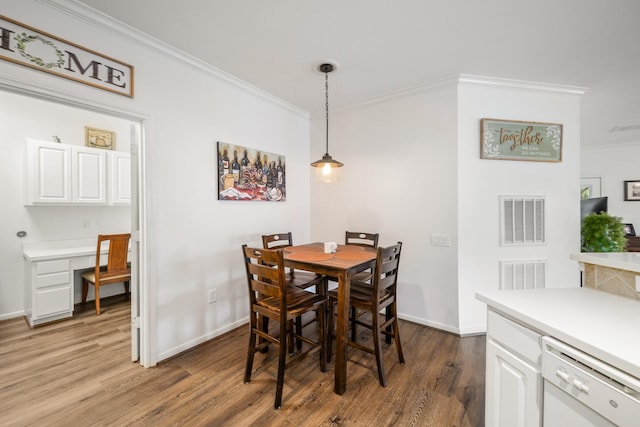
(399, 180)
(23, 117)
(481, 182)
(615, 164)
(413, 169)
(193, 239)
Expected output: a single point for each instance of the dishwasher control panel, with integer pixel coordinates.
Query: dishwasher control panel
(612, 393)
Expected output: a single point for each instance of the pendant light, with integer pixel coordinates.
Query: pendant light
(327, 166)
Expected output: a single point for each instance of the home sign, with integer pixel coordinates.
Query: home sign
(513, 140)
(30, 47)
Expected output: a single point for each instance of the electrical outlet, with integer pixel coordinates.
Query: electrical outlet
(86, 224)
(440, 240)
(637, 283)
(213, 295)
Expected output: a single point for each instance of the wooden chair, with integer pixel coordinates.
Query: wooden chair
(270, 297)
(373, 298)
(301, 279)
(117, 269)
(361, 239)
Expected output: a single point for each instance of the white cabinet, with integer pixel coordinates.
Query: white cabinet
(64, 174)
(513, 381)
(48, 173)
(120, 182)
(89, 175)
(49, 290)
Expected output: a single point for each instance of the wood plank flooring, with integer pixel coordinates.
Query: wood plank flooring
(78, 372)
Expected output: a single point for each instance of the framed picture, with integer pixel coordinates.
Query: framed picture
(514, 140)
(99, 138)
(632, 191)
(247, 174)
(591, 187)
(629, 231)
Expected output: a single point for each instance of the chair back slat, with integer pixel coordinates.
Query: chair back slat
(278, 240)
(265, 272)
(361, 239)
(117, 258)
(386, 271)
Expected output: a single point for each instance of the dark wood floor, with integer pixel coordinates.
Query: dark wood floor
(78, 372)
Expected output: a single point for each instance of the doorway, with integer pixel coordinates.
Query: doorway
(27, 114)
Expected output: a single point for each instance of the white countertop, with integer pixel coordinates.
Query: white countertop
(604, 325)
(60, 249)
(622, 260)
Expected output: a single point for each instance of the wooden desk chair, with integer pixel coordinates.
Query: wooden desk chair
(117, 269)
(373, 298)
(270, 297)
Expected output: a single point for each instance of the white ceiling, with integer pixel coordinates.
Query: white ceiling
(386, 46)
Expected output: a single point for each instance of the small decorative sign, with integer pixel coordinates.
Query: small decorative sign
(250, 175)
(30, 47)
(513, 140)
(99, 138)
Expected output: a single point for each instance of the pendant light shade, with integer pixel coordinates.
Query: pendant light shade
(326, 165)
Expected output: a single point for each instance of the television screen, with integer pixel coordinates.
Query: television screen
(596, 204)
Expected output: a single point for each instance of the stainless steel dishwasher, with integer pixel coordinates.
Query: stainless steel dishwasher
(580, 390)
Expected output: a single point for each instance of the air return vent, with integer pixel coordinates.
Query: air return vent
(522, 220)
(529, 274)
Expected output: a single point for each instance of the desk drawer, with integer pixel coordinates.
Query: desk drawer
(46, 280)
(54, 266)
(51, 301)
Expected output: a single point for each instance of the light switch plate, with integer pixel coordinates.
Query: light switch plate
(637, 283)
(440, 240)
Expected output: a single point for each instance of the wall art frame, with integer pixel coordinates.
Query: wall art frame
(248, 174)
(99, 138)
(632, 191)
(520, 140)
(591, 186)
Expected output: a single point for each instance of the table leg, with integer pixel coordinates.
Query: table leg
(344, 290)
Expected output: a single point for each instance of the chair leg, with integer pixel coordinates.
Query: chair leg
(252, 348)
(282, 355)
(354, 333)
(388, 314)
(396, 335)
(264, 321)
(321, 316)
(299, 332)
(97, 289)
(378, 347)
(85, 290)
(330, 320)
(126, 288)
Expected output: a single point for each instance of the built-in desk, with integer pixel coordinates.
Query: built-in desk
(49, 276)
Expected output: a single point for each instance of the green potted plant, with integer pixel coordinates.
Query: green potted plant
(602, 232)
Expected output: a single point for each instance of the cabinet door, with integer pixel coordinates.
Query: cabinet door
(512, 389)
(89, 167)
(48, 170)
(120, 178)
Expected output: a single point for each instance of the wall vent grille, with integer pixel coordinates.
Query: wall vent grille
(529, 274)
(523, 220)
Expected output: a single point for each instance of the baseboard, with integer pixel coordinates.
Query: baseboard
(15, 314)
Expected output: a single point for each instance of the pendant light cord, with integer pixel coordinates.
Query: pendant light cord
(326, 92)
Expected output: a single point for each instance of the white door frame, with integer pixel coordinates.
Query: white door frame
(144, 294)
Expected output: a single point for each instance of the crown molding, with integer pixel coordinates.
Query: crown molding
(114, 27)
(467, 79)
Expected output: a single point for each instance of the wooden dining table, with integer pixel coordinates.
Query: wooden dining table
(343, 264)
